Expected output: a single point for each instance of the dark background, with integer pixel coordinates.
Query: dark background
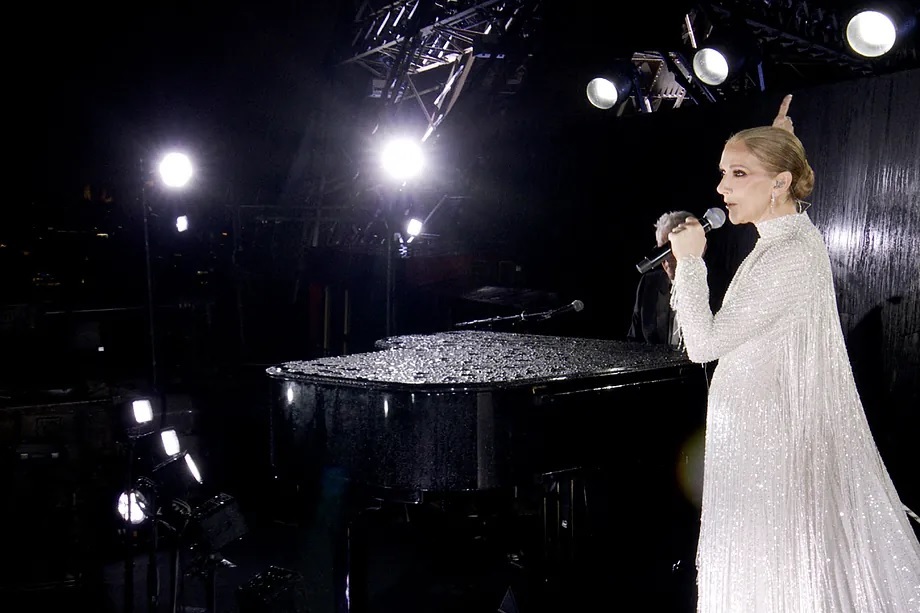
(550, 199)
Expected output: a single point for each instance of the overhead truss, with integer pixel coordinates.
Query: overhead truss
(425, 49)
(798, 35)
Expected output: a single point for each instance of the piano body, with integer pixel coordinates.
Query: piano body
(471, 411)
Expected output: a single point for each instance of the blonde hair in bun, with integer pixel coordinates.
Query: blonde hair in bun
(780, 150)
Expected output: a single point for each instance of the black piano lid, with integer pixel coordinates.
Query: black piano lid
(472, 360)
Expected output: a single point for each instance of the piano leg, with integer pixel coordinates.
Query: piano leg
(566, 529)
(350, 578)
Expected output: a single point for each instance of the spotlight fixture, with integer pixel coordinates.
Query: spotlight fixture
(136, 417)
(402, 158)
(605, 92)
(216, 523)
(724, 56)
(175, 169)
(156, 450)
(873, 30)
(414, 227)
(171, 480)
(132, 507)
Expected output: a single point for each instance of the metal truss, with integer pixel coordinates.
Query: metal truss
(425, 49)
(666, 80)
(796, 35)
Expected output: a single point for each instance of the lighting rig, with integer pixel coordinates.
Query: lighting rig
(736, 47)
(158, 506)
(425, 50)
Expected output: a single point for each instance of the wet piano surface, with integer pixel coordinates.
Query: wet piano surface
(506, 442)
(477, 410)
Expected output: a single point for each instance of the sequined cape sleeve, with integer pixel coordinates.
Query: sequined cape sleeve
(799, 514)
(766, 293)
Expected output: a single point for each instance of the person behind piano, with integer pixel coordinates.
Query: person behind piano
(653, 319)
(799, 513)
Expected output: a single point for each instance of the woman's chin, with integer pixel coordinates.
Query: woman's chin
(736, 217)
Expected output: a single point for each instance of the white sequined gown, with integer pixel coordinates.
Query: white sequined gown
(799, 514)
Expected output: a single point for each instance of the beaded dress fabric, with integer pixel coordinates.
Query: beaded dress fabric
(799, 514)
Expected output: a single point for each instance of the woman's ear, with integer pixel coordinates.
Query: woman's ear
(783, 181)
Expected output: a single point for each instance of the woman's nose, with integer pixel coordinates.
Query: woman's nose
(721, 188)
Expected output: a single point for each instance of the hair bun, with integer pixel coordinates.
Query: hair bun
(805, 183)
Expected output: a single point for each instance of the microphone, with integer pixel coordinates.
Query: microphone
(575, 305)
(712, 219)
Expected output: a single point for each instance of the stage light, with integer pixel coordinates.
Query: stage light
(152, 452)
(175, 169)
(135, 418)
(710, 66)
(215, 523)
(182, 223)
(142, 410)
(414, 227)
(193, 468)
(169, 480)
(604, 92)
(170, 442)
(871, 33)
(725, 55)
(132, 507)
(402, 159)
(177, 475)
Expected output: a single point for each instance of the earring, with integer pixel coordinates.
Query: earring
(772, 200)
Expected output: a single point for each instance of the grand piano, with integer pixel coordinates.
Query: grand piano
(481, 411)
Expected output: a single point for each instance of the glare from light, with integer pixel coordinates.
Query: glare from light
(602, 93)
(182, 223)
(130, 507)
(402, 159)
(170, 442)
(710, 66)
(414, 227)
(143, 411)
(193, 468)
(871, 34)
(290, 394)
(175, 169)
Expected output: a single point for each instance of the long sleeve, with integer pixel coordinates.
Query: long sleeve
(769, 290)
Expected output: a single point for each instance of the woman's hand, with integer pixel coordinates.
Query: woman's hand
(688, 239)
(783, 121)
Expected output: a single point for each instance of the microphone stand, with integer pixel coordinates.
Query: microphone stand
(523, 316)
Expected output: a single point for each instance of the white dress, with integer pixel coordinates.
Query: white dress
(799, 514)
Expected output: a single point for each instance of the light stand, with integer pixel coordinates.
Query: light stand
(390, 281)
(175, 170)
(129, 549)
(153, 568)
(174, 578)
(150, 321)
(401, 159)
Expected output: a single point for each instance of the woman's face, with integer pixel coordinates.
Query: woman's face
(745, 186)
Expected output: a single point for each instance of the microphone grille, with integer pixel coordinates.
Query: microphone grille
(716, 217)
(578, 305)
